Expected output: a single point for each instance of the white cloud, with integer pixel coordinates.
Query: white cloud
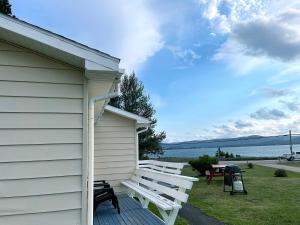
(290, 72)
(237, 10)
(259, 33)
(233, 55)
(187, 55)
(268, 114)
(157, 101)
(130, 30)
(261, 127)
(255, 36)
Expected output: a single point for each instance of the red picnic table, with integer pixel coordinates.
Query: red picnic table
(216, 170)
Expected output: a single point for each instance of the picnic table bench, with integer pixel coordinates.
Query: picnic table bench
(158, 188)
(216, 170)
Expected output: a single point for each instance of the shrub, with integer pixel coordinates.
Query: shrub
(250, 165)
(280, 173)
(203, 163)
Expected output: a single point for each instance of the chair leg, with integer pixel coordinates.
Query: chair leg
(116, 203)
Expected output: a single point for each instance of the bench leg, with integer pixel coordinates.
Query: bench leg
(163, 213)
(169, 218)
(172, 217)
(144, 201)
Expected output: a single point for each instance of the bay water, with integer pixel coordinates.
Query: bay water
(251, 151)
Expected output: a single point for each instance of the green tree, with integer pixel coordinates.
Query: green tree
(134, 100)
(5, 7)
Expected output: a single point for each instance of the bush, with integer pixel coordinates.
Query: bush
(203, 163)
(250, 165)
(280, 173)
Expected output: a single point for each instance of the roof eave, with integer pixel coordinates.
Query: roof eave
(55, 46)
(139, 119)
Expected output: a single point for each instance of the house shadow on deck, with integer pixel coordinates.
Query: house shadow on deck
(132, 213)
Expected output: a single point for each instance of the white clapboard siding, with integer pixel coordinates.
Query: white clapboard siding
(113, 177)
(40, 120)
(111, 123)
(106, 165)
(24, 170)
(114, 170)
(29, 104)
(25, 153)
(41, 135)
(121, 152)
(5, 46)
(65, 217)
(114, 140)
(42, 186)
(109, 134)
(104, 129)
(43, 75)
(113, 159)
(40, 203)
(114, 146)
(115, 149)
(29, 89)
(27, 59)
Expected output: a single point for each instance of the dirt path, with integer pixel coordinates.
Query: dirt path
(280, 166)
(196, 217)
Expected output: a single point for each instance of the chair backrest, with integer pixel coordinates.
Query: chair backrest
(163, 183)
(166, 167)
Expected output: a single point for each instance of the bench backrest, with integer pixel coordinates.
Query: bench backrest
(166, 167)
(163, 183)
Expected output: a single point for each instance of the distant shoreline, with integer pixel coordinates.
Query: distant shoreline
(229, 146)
(187, 159)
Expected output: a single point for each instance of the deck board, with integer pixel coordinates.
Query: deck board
(132, 213)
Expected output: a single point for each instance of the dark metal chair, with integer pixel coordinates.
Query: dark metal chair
(103, 192)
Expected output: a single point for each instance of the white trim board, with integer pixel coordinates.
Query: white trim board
(139, 119)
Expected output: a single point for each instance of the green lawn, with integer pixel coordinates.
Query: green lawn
(270, 200)
(293, 163)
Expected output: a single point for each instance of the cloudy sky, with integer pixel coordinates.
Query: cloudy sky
(213, 68)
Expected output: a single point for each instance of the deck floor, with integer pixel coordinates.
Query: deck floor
(132, 213)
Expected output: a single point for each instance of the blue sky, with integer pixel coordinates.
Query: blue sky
(213, 68)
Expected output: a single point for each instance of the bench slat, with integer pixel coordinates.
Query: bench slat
(192, 179)
(158, 168)
(162, 177)
(156, 199)
(160, 163)
(163, 189)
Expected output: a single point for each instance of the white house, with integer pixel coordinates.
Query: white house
(56, 137)
(46, 83)
(116, 145)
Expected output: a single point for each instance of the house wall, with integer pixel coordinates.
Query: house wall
(41, 135)
(115, 149)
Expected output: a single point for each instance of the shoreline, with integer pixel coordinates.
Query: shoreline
(187, 159)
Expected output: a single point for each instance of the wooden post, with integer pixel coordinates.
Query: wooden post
(291, 145)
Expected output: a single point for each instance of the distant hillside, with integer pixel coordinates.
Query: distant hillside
(253, 140)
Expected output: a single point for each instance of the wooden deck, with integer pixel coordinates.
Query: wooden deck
(132, 213)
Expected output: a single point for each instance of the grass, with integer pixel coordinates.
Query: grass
(270, 200)
(293, 163)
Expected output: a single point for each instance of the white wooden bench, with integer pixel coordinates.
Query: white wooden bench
(166, 167)
(153, 186)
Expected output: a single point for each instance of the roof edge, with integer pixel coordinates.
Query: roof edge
(56, 41)
(129, 115)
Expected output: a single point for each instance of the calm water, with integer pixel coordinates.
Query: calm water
(258, 151)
